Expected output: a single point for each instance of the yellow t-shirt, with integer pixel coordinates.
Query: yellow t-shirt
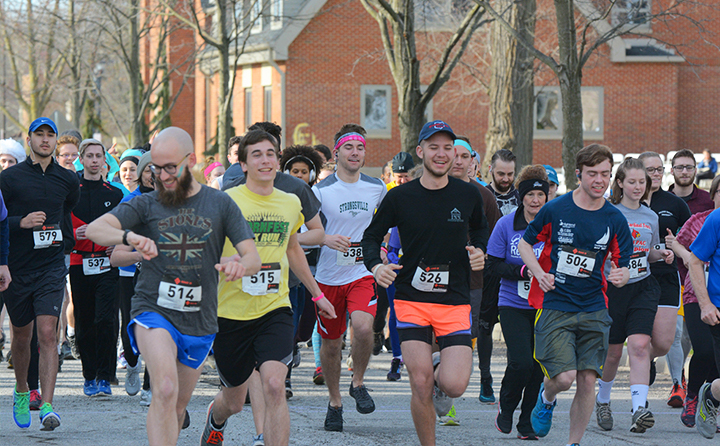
(390, 185)
(273, 219)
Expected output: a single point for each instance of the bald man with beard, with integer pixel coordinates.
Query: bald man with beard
(180, 230)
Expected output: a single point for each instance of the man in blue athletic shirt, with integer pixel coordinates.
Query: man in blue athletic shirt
(580, 231)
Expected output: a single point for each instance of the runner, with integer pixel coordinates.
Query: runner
(39, 195)
(181, 228)
(11, 153)
(633, 308)
(433, 278)
(212, 171)
(255, 320)
(523, 375)
(348, 200)
(67, 151)
(553, 179)
(502, 169)
(568, 287)
(673, 213)
(702, 367)
(93, 280)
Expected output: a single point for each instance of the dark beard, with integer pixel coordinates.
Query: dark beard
(689, 181)
(177, 197)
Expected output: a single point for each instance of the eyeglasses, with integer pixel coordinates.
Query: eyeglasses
(69, 155)
(651, 170)
(171, 169)
(688, 167)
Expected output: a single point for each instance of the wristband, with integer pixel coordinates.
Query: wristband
(124, 239)
(375, 269)
(315, 299)
(384, 249)
(522, 271)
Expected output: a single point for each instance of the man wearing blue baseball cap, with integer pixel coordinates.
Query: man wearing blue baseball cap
(40, 195)
(432, 278)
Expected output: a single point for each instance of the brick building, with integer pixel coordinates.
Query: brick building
(312, 65)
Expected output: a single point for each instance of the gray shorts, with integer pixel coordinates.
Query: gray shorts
(571, 341)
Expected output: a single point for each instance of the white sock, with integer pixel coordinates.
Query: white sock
(70, 331)
(545, 400)
(604, 389)
(639, 393)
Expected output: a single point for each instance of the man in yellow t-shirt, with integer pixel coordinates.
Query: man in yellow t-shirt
(254, 317)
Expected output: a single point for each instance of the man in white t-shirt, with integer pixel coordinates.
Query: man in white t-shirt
(348, 200)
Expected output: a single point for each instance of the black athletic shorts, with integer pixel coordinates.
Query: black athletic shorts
(632, 308)
(669, 289)
(35, 294)
(241, 346)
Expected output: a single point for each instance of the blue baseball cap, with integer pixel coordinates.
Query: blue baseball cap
(432, 127)
(552, 175)
(36, 124)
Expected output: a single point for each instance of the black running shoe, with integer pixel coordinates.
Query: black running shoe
(363, 401)
(378, 345)
(334, 419)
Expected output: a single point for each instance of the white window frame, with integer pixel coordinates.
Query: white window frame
(386, 132)
(276, 13)
(557, 134)
(256, 16)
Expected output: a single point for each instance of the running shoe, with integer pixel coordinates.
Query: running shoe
(529, 435)
(132, 378)
(378, 345)
(503, 421)
(121, 361)
(395, 372)
(334, 419)
(186, 421)
(212, 436)
(486, 391)
(145, 397)
(35, 400)
(706, 414)
(104, 388)
(653, 372)
(689, 408)
(297, 357)
(677, 396)
(66, 351)
(642, 420)
(318, 377)
(73, 347)
(363, 401)
(350, 362)
(259, 440)
(21, 409)
(288, 389)
(90, 387)
(450, 419)
(48, 418)
(541, 417)
(441, 401)
(604, 415)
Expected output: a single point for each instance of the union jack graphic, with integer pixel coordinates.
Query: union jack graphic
(182, 247)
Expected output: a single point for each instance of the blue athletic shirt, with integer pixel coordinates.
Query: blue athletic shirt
(577, 240)
(706, 247)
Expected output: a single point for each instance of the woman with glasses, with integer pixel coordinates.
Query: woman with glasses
(672, 212)
(67, 151)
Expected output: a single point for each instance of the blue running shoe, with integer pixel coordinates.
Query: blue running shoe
(104, 388)
(49, 419)
(541, 416)
(90, 387)
(21, 409)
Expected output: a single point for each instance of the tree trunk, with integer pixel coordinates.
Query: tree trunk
(510, 120)
(224, 90)
(138, 130)
(411, 115)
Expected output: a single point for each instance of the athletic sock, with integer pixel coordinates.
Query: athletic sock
(215, 425)
(604, 389)
(639, 393)
(709, 396)
(545, 400)
(70, 331)
(398, 357)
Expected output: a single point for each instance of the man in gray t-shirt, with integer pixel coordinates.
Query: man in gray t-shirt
(180, 230)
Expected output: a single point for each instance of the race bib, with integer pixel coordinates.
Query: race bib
(46, 236)
(179, 295)
(575, 262)
(266, 281)
(353, 256)
(638, 265)
(432, 279)
(95, 263)
(524, 288)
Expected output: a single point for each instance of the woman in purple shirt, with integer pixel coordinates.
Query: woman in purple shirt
(523, 375)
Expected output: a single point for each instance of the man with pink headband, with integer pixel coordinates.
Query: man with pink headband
(348, 199)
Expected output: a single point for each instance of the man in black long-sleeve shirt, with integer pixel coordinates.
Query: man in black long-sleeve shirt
(39, 195)
(434, 216)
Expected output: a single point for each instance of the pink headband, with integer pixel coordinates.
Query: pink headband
(349, 137)
(211, 167)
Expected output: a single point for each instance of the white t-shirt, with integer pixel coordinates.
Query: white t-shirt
(349, 208)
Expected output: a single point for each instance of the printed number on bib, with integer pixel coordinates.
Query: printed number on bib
(524, 288)
(179, 295)
(353, 256)
(433, 279)
(638, 265)
(266, 281)
(575, 262)
(47, 236)
(95, 263)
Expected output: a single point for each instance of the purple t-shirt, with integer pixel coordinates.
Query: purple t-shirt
(503, 244)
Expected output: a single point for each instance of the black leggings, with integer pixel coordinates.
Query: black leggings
(702, 363)
(523, 375)
(126, 290)
(383, 305)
